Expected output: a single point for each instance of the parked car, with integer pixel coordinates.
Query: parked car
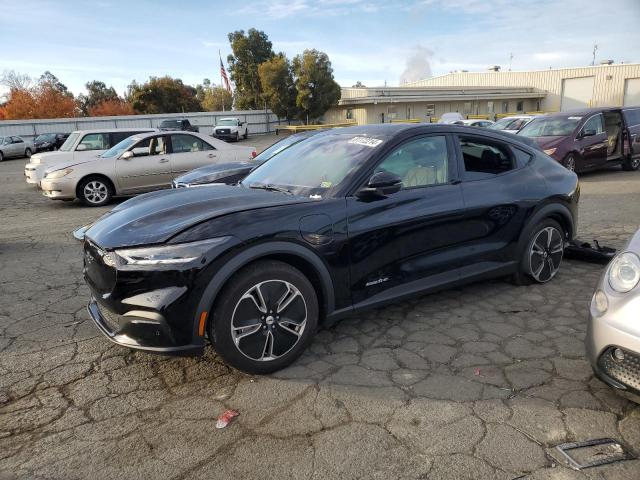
(512, 124)
(14, 146)
(451, 118)
(613, 333)
(231, 173)
(230, 129)
(81, 146)
(474, 123)
(49, 141)
(589, 139)
(181, 124)
(141, 163)
(351, 218)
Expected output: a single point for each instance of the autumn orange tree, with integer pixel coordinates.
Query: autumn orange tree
(111, 107)
(48, 98)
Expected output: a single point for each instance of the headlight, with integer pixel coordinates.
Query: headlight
(550, 151)
(58, 173)
(169, 254)
(624, 272)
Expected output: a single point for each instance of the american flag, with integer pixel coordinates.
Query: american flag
(223, 75)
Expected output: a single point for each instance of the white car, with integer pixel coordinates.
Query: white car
(141, 163)
(474, 123)
(512, 124)
(230, 129)
(451, 117)
(81, 146)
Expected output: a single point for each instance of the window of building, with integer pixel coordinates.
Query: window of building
(505, 107)
(484, 159)
(490, 107)
(349, 113)
(419, 163)
(467, 108)
(538, 106)
(520, 106)
(392, 112)
(431, 109)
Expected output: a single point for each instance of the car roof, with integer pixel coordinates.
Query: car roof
(114, 130)
(229, 118)
(582, 112)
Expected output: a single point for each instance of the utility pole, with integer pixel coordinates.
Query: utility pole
(510, 60)
(595, 48)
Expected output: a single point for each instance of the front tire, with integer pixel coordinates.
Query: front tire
(265, 317)
(569, 162)
(1, 157)
(542, 256)
(95, 191)
(631, 164)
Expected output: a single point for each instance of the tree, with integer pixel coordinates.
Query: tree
(359, 84)
(249, 51)
(13, 80)
(279, 90)
(111, 107)
(49, 98)
(162, 95)
(97, 94)
(317, 90)
(217, 98)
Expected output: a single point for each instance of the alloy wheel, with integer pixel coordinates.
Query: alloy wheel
(545, 254)
(95, 191)
(570, 163)
(268, 320)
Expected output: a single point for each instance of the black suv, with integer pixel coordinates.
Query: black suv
(351, 218)
(178, 124)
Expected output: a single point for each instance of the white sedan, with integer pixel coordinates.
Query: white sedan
(141, 163)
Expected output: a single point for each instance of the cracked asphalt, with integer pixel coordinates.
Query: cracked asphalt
(474, 382)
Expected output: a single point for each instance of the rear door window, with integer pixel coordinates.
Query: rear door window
(484, 158)
(595, 124)
(188, 144)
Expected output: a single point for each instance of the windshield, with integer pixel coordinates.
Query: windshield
(170, 123)
(119, 148)
(227, 123)
(550, 127)
(316, 166)
(277, 148)
(45, 137)
(66, 146)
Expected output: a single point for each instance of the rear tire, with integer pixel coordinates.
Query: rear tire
(1, 157)
(264, 318)
(541, 259)
(631, 164)
(95, 191)
(27, 153)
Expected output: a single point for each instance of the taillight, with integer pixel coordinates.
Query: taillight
(253, 154)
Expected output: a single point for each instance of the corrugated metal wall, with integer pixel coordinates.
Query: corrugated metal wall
(608, 85)
(259, 122)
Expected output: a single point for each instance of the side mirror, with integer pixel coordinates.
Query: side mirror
(381, 184)
(588, 133)
(128, 155)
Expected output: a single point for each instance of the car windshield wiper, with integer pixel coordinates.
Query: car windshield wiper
(274, 188)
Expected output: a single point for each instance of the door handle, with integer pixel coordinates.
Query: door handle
(211, 155)
(164, 160)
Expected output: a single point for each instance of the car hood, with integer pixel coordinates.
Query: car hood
(158, 216)
(231, 127)
(215, 170)
(548, 142)
(59, 158)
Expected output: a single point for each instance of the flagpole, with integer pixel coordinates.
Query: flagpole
(220, 57)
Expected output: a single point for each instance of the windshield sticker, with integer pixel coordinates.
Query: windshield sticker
(366, 141)
(325, 185)
(575, 118)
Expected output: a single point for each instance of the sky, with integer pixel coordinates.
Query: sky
(374, 42)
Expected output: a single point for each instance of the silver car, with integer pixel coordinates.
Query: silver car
(14, 146)
(613, 334)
